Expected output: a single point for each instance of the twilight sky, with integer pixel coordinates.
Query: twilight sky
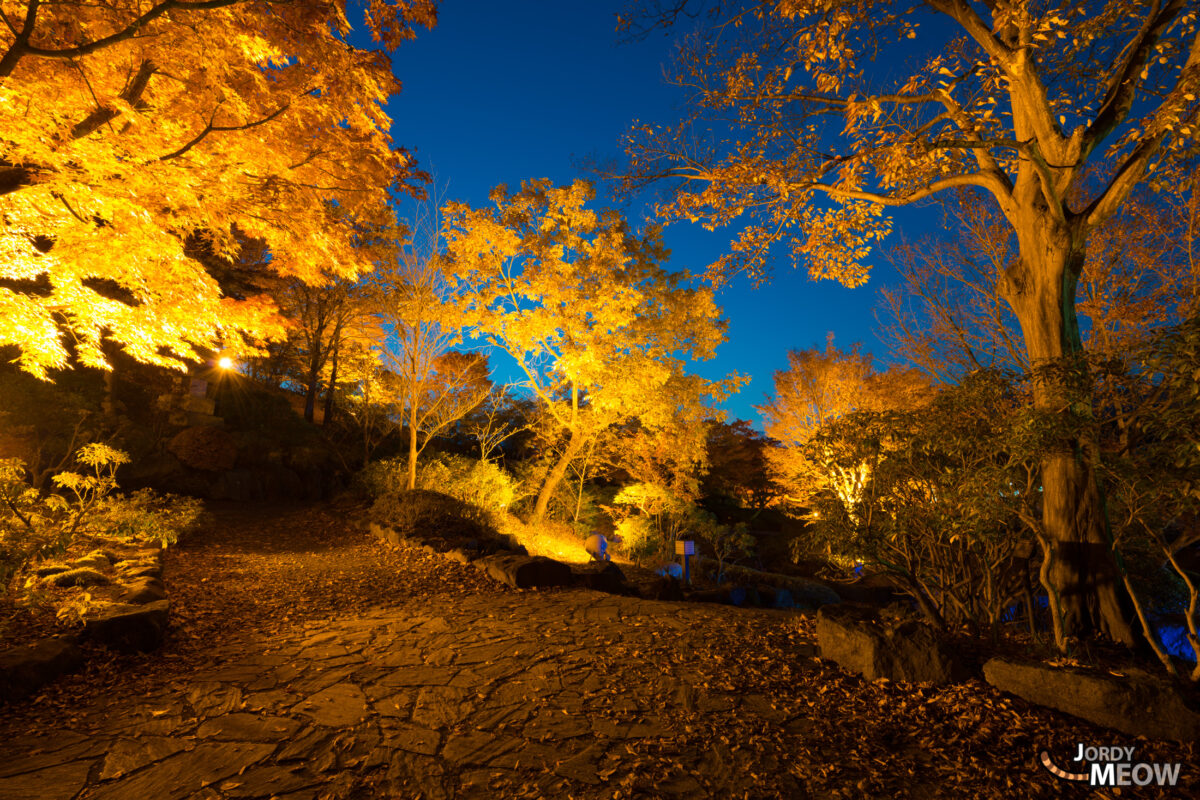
(503, 92)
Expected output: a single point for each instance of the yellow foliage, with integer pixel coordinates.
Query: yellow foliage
(142, 139)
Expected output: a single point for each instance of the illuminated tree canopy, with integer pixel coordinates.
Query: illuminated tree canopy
(137, 135)
(584, 306)
(1056, 112)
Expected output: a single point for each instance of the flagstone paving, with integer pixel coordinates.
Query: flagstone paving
(307, 663)
(522, 694)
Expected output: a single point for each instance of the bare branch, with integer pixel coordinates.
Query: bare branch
(211, 128)
(1122, 88)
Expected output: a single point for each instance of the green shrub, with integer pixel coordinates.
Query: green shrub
(382, 478)
(145, 517)
(640, 539)
(29, 523)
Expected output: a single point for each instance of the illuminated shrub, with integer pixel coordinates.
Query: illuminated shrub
(382, 478)
(478, 483)
(426, 513)
(935, 498)
(640, 539)
(145, 517)
(35, 526)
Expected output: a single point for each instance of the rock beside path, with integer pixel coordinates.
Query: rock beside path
(80, 576)
(121, 627)
(25, 669)
(526, 572)
(1136, 704)
(908, 650)
(601, 576)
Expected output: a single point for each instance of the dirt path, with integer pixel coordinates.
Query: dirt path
(309, 662)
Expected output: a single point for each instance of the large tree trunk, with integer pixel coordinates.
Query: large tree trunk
(557, 473)
(1041, 290)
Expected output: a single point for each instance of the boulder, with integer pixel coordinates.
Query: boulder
(783, 598)
(745, 596)
(909, 650)
(24, 669)
(96, 561)
(46, 570)
(1137, 704)
(597, 547)
(139, 568)
(204, 447)
(602, 576)
(145, 590)
(664, 587)
(811, 594)
(526, 572)
(709, 596)
(124, 628)
(83, 576)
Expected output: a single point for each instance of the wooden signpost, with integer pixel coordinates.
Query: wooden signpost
(686, 549)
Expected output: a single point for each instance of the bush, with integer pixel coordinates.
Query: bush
(35, 526)
(145, 517)
(481, 484)
(640, 539)
(382, 478)
(422, 512)
(475, 482)
(28, 522)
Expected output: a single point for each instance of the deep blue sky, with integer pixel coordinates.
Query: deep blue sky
(503, 92)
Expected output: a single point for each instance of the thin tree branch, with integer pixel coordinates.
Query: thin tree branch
(211, 128)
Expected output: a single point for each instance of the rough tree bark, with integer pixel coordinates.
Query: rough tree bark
(1040, 287)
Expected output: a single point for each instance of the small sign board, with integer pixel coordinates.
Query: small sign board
(685, 548)
(198, 388)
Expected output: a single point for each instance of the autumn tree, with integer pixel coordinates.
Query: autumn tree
(500, 417)
(139, 137)
(1142, 272)
(438, 385)
(1023, 102)
(585, 308)
(738, 466)
(818, 387)
(329, 323)
(370, 403)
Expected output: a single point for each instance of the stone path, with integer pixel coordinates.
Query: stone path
(306, 662)
(564, 694)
